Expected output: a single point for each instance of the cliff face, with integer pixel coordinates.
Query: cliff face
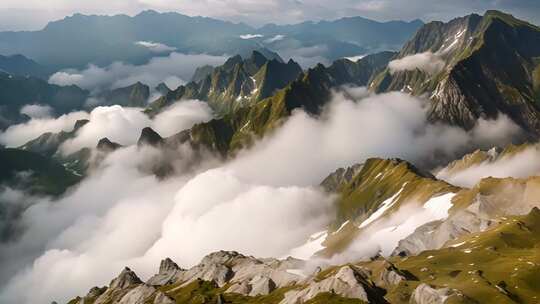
(486, 65)
(238, 82)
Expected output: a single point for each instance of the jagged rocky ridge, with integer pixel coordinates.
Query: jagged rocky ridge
(238, 82)
(471, 271)
(310, 91)
(489, 65)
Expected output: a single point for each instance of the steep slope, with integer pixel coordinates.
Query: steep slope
(135, 95)
(21, 66)
(474, 210)
(34, 173)
(377, 199)
(471, 67)
(17, 91)
(48, 144)
(310, 92)
(238, 82)
(499, 265)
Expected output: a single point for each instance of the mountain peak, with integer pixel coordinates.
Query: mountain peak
(167, 265)
(125, 279)
(80, 123)
(149, 137)
(105, 144)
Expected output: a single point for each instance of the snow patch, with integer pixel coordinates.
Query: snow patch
(387, 204)
(313, 245)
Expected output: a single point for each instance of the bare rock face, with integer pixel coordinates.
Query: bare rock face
(167, 273)
(139, 295)
(390, 276)
(425, 294)
(242, 288)
(119, 287)
(162, 298)
(246, 274)
(92, 295)
(218, 273)
(348, 282)
(261, 285)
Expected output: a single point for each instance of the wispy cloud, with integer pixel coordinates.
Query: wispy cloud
(156, 47)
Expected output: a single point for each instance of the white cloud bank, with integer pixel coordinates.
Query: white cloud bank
(175, 69)
(523, 164)
(121, 216)
(428, 62)
(119, 124)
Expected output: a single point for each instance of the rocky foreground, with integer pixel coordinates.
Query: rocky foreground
(498, 265)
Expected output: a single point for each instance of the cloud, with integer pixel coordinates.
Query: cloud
(176, 68)
(37, 111)
(119, 124)
(124, 125)
(155, 46)
(17, 135)
(428, 62)
(355, 58)
(251, 36)
(274, 39)
(343, 136)
(87, 236)
(522, 164)
(307, 57)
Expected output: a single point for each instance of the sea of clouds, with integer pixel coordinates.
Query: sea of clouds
(263, 202)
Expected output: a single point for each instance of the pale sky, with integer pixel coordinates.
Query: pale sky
(34, 14)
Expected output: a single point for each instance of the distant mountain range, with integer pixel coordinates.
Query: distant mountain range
(76, 41)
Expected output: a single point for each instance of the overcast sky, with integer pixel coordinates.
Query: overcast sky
(34, 14)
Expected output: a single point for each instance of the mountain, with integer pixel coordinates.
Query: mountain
(201, 73)
(78, 40)
(310, 91)
(471, 67)
(135, 95)
(21, 66)
(373, 192)
(473, 269)
(48, 144)
(75, 41)
(24, 174)
(238, 82)
(17, 91)
(34, 172)
(343, 37)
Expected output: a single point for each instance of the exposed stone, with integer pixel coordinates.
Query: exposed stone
(425, 294)
(261, 285)
(347, 282)
(167, 273)
(139, 295)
